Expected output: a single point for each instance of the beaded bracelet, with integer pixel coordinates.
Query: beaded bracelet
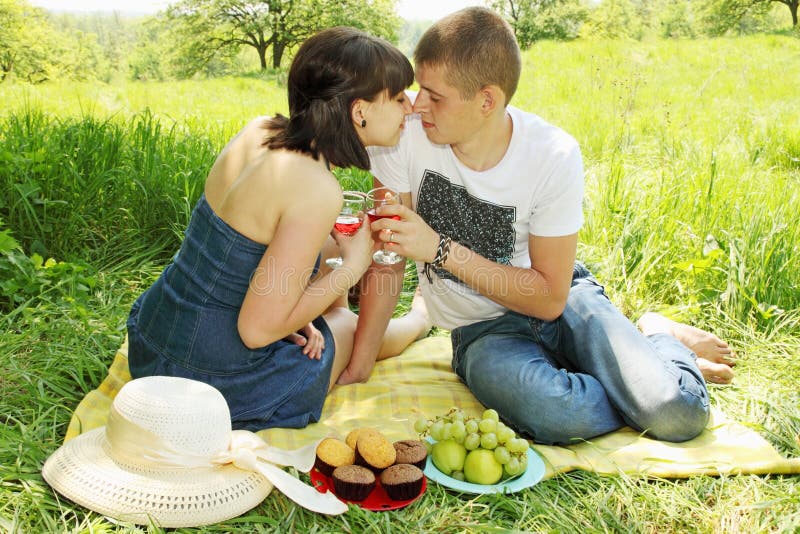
(441, 256)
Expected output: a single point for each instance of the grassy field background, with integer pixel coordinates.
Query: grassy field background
(692, 156)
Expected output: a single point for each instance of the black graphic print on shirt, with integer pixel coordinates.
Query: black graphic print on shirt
(486, 228)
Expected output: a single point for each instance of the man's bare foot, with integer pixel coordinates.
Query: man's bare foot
(714, 357)
(420, 309)
(718, 373)
(403, 331)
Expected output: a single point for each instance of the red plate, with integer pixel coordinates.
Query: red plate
(377, 500)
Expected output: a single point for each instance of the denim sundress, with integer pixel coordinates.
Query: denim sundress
(185, 325)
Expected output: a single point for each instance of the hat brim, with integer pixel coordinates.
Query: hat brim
(83, 471)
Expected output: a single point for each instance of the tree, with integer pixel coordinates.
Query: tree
(11, 22)
(210, 27)
(791, 4)
(744, 16)
(615, 19)
(29, 45)
(534, 20)
(103, 41)
(677, 19)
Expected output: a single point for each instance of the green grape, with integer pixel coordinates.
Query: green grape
(517, 445)
(487, 425)
(512, 467)
(472, 441)
(489, 440)
(472, 426)
(502, 455)
(504, 434)
(437, 430)
(459, 439)
(523, 462)
(421, 425)
(458, 415)
(500, 425)
(447, 431)
(491, 414)
(458, 475)
(458, 429)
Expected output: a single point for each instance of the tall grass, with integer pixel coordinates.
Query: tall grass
(692, 153)
(686, 145)
(105, 190)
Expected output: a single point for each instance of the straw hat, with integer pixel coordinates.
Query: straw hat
(168, 457)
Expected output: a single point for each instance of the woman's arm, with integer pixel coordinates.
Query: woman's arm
(280, 299)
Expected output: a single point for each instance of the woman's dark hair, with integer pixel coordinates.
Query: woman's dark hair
(330, 71)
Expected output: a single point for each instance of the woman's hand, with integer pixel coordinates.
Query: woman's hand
(356, 250)
(311, 340)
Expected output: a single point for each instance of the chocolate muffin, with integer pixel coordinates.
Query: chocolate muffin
(374, 451)
(333, 453)
(402, 481)
(411, 451)
(353, 482)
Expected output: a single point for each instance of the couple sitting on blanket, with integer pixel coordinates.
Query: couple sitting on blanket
(489, 209)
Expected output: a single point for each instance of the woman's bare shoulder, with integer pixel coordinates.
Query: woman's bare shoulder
(296, 170)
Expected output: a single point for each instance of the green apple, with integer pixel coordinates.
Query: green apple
(448, 456)
(481, 467)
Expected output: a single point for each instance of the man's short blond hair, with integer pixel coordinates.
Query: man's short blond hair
(475, 47)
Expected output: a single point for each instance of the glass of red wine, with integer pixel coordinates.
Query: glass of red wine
(381, 196)
(349, 219)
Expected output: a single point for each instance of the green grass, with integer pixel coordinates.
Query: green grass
(692, 153)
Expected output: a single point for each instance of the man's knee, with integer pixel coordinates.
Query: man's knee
(681, 419)
(554, 412)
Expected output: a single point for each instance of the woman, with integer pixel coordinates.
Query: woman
(247, 279)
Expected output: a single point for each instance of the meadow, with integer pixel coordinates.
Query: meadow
(692, 158)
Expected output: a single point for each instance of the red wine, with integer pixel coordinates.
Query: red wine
(347, 224)
(374, 216)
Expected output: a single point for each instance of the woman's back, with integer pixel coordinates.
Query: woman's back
(250, 186)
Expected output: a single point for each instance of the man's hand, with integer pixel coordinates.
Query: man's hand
(350, 376)
(410, 236)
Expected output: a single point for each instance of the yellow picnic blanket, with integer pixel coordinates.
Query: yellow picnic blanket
(420, 381)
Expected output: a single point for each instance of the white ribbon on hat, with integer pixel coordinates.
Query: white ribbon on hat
(134, 445)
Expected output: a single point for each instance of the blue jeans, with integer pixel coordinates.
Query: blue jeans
(587, 373)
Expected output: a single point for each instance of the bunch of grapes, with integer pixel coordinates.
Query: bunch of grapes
(486, 432)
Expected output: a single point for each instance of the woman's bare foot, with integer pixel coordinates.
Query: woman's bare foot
(714, 357)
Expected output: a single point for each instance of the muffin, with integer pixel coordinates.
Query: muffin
(333, 453)
(352, 436)
(374, 451)
(402, 481)
(353, 482)
(410, 451)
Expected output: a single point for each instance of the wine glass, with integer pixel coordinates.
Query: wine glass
(381, 196)
(349, 220)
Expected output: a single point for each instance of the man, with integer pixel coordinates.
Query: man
(491, 208)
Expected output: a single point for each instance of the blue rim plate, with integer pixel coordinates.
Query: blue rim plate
(532, 475)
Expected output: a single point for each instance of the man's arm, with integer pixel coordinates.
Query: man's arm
(539, 291)
(380, 288)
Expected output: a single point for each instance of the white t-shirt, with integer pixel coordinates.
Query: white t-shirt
(536, 189)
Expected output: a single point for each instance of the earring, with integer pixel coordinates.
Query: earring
(363, 123)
